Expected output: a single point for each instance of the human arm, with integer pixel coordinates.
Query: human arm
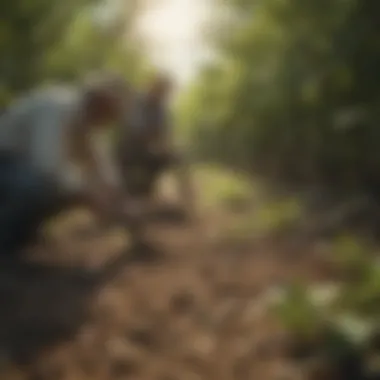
(100, 172)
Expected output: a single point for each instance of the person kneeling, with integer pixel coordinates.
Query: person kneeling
(146, 150)
(43, 136)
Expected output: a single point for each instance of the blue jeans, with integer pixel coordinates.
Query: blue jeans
(27, 199)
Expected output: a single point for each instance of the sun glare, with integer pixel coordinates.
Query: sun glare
(173, 31)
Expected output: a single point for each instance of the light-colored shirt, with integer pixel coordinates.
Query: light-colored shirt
(38, 127)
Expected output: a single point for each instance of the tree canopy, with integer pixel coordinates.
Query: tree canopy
(294, 95)
(50, 40)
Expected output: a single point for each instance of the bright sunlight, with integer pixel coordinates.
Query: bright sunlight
(174, 30)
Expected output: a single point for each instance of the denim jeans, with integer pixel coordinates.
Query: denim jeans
(27, 199)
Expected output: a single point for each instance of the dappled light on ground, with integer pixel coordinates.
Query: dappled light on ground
(199, 311)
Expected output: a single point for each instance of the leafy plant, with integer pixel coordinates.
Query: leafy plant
(339, 319)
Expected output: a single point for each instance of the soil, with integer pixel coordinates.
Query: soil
(83, 309)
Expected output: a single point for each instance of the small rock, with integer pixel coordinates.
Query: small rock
(143, 336)
(123, 367)
(121, 348)
(123, 358)
(182, 303)
(203, 345)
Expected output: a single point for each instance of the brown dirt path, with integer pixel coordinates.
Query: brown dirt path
(196, 314)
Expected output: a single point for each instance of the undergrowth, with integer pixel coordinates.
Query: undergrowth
(338, 321)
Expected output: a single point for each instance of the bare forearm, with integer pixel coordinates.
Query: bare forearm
(82, 154)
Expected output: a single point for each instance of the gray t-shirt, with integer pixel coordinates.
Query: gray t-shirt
(37, 127)
(145, 118)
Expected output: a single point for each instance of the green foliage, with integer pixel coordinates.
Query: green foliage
(337, 318)
(92, 45)
(299, 313)
(220, 185)
(50, 40)
(28, 29)
(295, 92)
(275, 215)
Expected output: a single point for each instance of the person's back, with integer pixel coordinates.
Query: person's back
(146, 139)
(154, 115)
(35, 127)
(147, 122)
(43, 136)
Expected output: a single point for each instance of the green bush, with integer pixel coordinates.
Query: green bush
(337, 319)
